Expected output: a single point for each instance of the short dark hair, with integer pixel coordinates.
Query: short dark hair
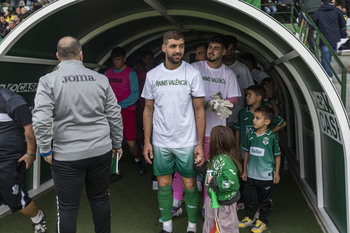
(118, 52)
(220, 40)
(257, 89)
(68, 47)
(266, 111)
(231, 40)
(172, 34)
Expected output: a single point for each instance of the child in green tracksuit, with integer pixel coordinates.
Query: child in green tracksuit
(262, 160)
(225, 166)
(244, 125)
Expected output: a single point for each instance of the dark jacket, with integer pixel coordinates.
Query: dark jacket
(329, 20)
(3, 29)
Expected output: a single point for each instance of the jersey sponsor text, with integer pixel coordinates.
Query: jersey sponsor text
(256, 151)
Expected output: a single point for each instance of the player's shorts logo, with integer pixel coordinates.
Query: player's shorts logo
(15, 189)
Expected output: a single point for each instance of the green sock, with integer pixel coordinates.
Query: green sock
(165, 201)
(192, 202)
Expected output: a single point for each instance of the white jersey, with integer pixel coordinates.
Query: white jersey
(245, 80)
(174, 124)
(259, 75)
(222, 79)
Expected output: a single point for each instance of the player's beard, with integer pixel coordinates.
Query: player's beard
(172, 60)
(212, 59)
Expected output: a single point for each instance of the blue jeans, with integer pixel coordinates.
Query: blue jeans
(326, 57)
(270, 9)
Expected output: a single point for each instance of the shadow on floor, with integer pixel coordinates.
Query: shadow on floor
(135, 209)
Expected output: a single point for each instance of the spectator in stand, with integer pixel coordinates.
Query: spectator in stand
(347, 6)
(269, 6)
(329, 20)
(9, 28)
(18, 11)
(15, 3)
(310, 7)
(24, 13)
(16, 19)
(8, 15)
(341, 6)
(30, 2)
(3, 25)
(283, 6)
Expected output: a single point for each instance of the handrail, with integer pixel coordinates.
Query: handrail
(342, 80)
(318, 52)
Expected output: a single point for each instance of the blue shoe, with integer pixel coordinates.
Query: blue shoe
(175, 211)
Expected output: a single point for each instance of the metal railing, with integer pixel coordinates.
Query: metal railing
(342, 78)
(319, 36)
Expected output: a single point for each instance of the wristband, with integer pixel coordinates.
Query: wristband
(47, 154)
(31, 155)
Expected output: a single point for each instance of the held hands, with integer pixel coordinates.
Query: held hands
(199, 156)
(244, 176)
(219, 106)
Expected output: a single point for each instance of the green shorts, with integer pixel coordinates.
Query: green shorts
(168, 160)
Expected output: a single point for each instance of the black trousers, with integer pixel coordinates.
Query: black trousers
(69, 178)
(264, 189)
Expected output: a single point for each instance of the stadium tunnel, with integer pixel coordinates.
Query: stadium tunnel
(317, 136)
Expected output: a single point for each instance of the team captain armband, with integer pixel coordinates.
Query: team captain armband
(47, 154)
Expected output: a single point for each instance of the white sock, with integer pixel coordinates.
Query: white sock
(168, 226)
(38, 217)
(176, 203)
(192, 227)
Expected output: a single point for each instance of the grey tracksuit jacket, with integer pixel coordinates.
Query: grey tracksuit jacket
(77, 109)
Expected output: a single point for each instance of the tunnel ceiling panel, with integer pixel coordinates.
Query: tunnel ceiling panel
(85, 17)
(124, 34)
(76, 20)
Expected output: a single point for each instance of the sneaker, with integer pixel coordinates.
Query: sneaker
(41, 226)
(240, 206)
(175, 211)
(140, 167)
(259, 227)
(246, 222)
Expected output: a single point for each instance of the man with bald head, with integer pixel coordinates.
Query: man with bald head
(76, 108)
